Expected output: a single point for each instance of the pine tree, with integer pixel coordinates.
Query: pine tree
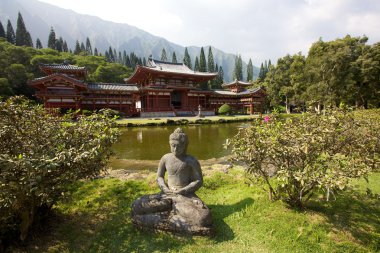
(88, 46)
(59, 45)
(110, 57)
(210, 62)
(120, 58)
(202, 61)
(96, 52)
(187, 59)
(65, 48)
(51, 39)
(114, 55)
(196, 64)
(262, 73)
(10, 35)
(174, 58)
(2, 31)
(163, 55)
(38, 44)
(238, 71)
(124, 58)
(77, 47)
(23, 37)
(249, 71)
(144, 61)
(82, 47)
(219, 78)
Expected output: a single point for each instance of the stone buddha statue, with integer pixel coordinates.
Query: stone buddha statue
(176, 208)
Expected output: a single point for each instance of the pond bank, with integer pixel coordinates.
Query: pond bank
(138, 122)
(147, 169)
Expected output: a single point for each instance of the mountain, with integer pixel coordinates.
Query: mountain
(39, 17)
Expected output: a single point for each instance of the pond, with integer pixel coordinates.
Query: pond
(151, 143)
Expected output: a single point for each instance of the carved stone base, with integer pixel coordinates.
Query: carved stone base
(173, 213)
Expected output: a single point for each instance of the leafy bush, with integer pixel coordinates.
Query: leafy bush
(40, 155)
(308, 153)
(224, 109)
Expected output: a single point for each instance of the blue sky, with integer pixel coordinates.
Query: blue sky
(257, 29)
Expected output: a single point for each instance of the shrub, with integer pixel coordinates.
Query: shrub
(41, 155)
(308, 153)
(224, 109)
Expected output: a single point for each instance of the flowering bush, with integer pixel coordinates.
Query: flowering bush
(40, 155)
(297, 156)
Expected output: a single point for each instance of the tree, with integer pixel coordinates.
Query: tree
(308, 153)
(210, 62)
(249, 71)
(174, 58)
(202, 61)
(262, 73)
(82, 47)
(196, 64)
(59, 44)
(187, 59)
(38, 44)
(225, 109)
(11, 37)
(18, 76)
(65, 47)
(23, 37)
(96, 52)
(51, 39)
(77, 48)
(88, 46)
(42, 157)
(238, 71)
(2, 31)
(163, 55)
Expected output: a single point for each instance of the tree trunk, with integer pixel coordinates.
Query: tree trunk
(287, 106)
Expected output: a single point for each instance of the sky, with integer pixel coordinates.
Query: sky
(256, 29)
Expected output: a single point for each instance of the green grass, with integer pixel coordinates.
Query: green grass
(95, 218)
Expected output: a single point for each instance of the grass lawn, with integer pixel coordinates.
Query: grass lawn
(95, 218)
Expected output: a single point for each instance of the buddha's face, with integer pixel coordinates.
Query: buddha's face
(177, 148)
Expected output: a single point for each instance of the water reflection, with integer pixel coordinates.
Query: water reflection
(150, 143)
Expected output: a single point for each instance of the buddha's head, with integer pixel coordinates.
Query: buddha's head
(178, 142)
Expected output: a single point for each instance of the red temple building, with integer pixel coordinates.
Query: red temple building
(156, 90)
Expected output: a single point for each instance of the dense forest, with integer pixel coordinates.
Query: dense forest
(343, 72)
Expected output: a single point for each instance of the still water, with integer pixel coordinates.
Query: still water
(151, 143)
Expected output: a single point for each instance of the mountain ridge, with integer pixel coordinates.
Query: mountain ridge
(72, 26)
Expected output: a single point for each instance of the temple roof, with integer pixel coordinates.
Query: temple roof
(62, 66)
(246, 92)
(55, 76)
(112, 86)
(159, 68)
(236, 82)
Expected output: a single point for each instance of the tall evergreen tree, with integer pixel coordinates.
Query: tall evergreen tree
(38, 44)
(82, 47)
(51, 39)
(114, 55)
(22, 35)
(2, 31)
(187, 59)
(210, 61)
(111, 57)
(202, 61)
(88, 46)
(174, 58)
(262, 73)
(77, 47)
(120, 58)
(10, 35)
(249, 71)
(238, 71)
(220, 78)
(164, 57)
(59, 44)
(96, 52)
(144, 61)
(65, 48)
(196, 64)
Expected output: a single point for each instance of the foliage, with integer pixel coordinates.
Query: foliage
(202, 61)
(187, 59)
(41, 155)
(309, 152)
(250, 71)
(224, 109)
